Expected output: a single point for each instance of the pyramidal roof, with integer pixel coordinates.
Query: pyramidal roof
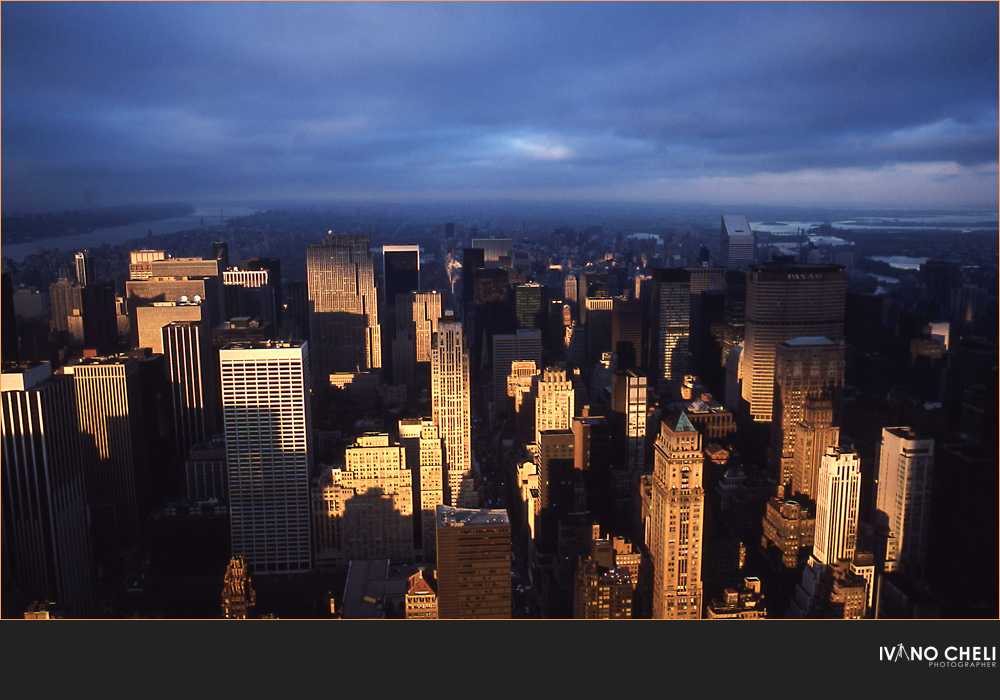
(679, 422)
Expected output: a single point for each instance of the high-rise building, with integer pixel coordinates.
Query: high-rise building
(180, 289)
(187, 350)
(525, 344)
(493, 249)
(400, 276)
(531, 305)
(806, 370)
(417, 315)
(268, 425)
(85, 273)
(141, 263)
(554, 405)
(365, 510)
(629, 407)
(670, 328)
(450, 402)
(737, 246)
(627, 340)
(109, 405)
(605, 581)
(838, 501)
(343, 306)
(400, 270)
(220, 252)
(785, 302)
(600, 313)
(813, 434)
(273, 268)
(903, 501)
(676, 526)
(46, 549)
(473, 564)
(250, 293)
(150, 320)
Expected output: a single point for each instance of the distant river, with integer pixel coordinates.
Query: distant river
(115, 235)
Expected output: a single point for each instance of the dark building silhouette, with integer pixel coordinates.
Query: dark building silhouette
(473, 564)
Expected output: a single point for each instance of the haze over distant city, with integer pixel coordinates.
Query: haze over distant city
(853, 104)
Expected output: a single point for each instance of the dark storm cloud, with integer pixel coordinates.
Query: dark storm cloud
(213, 101)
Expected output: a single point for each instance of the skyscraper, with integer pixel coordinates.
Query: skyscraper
(806, 370)
(417, 315)
(554, 406)
(85, 273)
(400, 275)
(676, 520)
(599, 327)
(493, 249)
(250, 293)
(737, 247)
(365, 510)
(903, 502)
(450, 404)
(268, 425)
(670, 328)
(785, 302)
(343, 306)
(525, 344)
(109, 405)
(46, 545)
(473, 564)
(187, 349)
(838, 501)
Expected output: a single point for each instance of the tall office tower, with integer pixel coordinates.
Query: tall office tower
(85, 273)
(400, 270)
(205, 471)
(785, 302)
(250, 293)
(554, 406)
(733, 327)
(187, 350)
(493, 249)
(599, 327)
(207, 290)
(268, 425)
(343, 306)
(273, 268)
(494, 312)
(571, 293)
(676, 520)
(473, 260)
(604, 583)
(903, 502)
(109, 407)
(150, 320)
(531, 306)
(626, 334)
(220, 252)
(592, 464)
(838, 500)
(522, 387)
(430, 487)
(400, 275)
(523, 345)
(66, 302)
(141, 263)
(238, 595)
(707, 279)
(365, 510)
(418, 314)
(669, 328)
(100, 317)
(629, 408)
(473, 564)
(554, 460)
(813, 434)
(451, 410)
(46, 549)
(737, 247)
(805, 370)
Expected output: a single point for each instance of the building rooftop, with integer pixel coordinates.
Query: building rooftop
(736, 225)
(466, 517)
(810, 340)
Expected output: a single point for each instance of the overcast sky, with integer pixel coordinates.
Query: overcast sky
(849, 104)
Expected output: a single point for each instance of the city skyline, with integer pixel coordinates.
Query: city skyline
(818, 104)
